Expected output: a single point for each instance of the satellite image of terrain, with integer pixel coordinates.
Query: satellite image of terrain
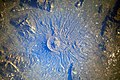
(59, 39)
